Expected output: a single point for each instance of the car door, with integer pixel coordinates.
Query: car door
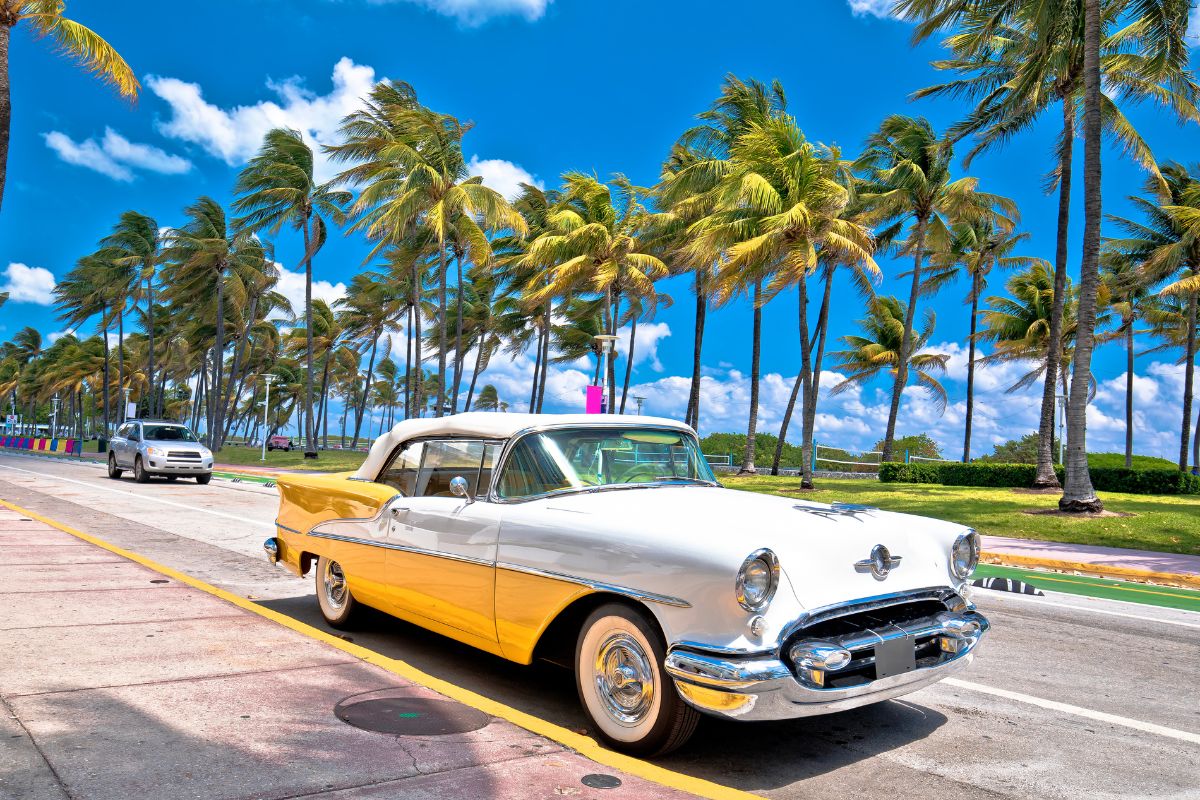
(133, 440)
(120, 444)
(442, 548)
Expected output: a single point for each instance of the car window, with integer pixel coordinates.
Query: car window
(530, 471)
(401, 473)
(123, 431)
(132, 433)
(168, 433)
(445, 460)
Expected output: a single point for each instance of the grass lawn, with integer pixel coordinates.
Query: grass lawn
(329, 460)
(1165, 523)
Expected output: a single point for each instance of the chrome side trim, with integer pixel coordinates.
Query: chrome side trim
(279, 524)
(636, 594)
(420, 551)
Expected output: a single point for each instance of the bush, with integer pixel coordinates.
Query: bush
(1139, 462)
(1104, 479)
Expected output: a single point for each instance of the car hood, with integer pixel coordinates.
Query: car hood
(817, 544)
(175, 444)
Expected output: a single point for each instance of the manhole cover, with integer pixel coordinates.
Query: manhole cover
(600, 781)
(393, 712)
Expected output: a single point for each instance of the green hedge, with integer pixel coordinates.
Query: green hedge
(1104, 479)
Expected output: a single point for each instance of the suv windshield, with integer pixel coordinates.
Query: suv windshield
(167, 433)
(584, 458)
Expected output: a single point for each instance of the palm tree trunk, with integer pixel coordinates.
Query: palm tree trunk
(325, 399)
(692, 417)
(1189, 377)
(418, 361)
(310, 445)
(755, 354)
(235, 374)
(1046, 477)
(1078, 494)
(1129, 391)
(214, 391)
(812, 392)
(611, 367)
(475, 373)
(5, 104)
(629, 362)
(441, 376)
(905, 344)
(104, 333)
(458, 337)
(975, 288)
(537, 371)
(408, 365)
(150, 343)
(121, 360)
(801, 377)
(362, 402)
(545, 358)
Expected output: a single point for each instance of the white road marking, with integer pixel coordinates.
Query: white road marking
(1078, 711)
(240, 519)
(1005, 596)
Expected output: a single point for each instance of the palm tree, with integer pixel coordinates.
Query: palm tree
(410, 162)
(364, 313)
(1168, 320)
(975, 249)
(45, 19)
(488, 399)
(206, 261)
(82, 294)
(881, 346)
(1018, 58)
(1130, 297)
(135, 244)
(1166, 248)
(908, 171)
(277, 187)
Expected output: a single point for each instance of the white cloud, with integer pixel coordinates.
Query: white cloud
(873, 8)
(291, 286)
(1193, 32)
(476, 12)
(115, 156)
(645, 344)
(54, 337)
(236, 133)
(29, 284)
(503, 176)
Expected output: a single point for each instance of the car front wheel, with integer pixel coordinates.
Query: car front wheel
(338, 606)
(203, 479)
(624, 689)
(139, 472)
(113, 471)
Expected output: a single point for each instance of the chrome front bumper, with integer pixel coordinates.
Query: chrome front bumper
(766, 687)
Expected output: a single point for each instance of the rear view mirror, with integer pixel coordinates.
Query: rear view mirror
(459, 488)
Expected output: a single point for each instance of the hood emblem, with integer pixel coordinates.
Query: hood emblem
(879, 564)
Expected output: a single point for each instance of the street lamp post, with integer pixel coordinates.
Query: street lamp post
(54, 415)
(606, 342)
(268, 378)
(640, 401)
(125, 416)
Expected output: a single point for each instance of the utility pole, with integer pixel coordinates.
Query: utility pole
(639, 400)
(606, 341)
(268, 378)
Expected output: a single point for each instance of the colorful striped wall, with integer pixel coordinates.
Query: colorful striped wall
(64, 446)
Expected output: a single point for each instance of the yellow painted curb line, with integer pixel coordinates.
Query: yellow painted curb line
(1099, 570)
(581, 744)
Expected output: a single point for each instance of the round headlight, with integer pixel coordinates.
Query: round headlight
(964, 555)
(757, 580)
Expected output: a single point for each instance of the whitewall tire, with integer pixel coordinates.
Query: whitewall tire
(630, 699)
(338, 606)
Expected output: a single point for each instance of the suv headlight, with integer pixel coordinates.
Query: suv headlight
(154, 451)
(964, 555)
(757, 580)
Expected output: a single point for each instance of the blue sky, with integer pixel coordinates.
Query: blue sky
(551, 85)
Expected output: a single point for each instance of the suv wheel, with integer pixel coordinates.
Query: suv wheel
(114, 472)
(139, 472)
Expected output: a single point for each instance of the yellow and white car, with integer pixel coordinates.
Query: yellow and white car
(606, 542)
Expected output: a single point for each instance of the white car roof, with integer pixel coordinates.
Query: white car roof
(490, 425)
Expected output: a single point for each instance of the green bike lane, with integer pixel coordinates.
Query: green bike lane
(1088, 586)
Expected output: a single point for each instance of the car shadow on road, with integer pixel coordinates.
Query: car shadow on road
(751, 756)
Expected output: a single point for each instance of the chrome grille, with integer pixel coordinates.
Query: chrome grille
(189, 455)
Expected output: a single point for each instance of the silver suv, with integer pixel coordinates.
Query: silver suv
(158, 447)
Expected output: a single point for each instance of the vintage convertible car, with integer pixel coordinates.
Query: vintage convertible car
(605, 542)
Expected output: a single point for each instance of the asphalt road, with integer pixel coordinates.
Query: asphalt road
(1070, 696)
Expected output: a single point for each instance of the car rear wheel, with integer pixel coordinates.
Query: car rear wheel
(139, 472)
(113, 471)
(629, 697)
(203, 479)
(338, 606)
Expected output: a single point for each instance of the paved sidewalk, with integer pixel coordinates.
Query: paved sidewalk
(119, 682)
(1145, 564)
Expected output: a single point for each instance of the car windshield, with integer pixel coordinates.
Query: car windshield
(587, 458)
(167, 433)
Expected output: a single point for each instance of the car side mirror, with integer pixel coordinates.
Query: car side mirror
(459, 488)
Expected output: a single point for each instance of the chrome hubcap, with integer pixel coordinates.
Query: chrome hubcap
(624, 679)
(335, 585)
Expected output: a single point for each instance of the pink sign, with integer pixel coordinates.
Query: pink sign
(595, 400)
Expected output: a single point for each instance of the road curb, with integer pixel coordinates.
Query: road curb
(1176, 579)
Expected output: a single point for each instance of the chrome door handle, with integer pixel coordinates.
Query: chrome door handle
(396, 510)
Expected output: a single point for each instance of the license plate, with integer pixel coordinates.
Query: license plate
(895, 657)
